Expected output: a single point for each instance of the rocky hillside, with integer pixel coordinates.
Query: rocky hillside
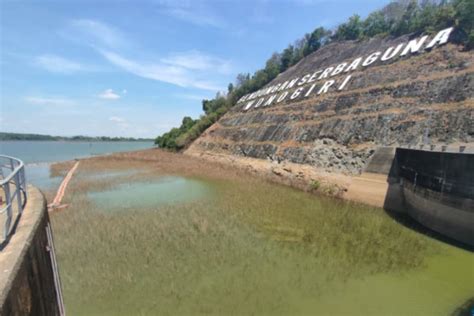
(422, 97)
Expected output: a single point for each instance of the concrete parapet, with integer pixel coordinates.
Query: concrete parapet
(27, 280)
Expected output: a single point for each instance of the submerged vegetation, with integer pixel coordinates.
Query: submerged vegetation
(251, 247)
(395, 19)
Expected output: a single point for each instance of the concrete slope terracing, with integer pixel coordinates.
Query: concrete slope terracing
(424, 97)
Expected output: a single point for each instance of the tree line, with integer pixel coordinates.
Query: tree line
(22, 136)
(395, 19)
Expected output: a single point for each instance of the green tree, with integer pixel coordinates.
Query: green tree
(168, 140)
(210, 106)
(464, 13)
(272, 66)
(186, 123)
(298, 50)
(407, 20)
(286, 58)
(315, 40)
(351, 30)
(375, 24)
(242, 79)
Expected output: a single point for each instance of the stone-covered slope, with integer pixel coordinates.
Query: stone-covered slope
(414, 99)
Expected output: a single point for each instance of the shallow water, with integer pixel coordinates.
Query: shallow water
(54, 151)
(39, 175)
(105, 175)
(38, 155)
(443, 284)
(219, 247)
(166, 190)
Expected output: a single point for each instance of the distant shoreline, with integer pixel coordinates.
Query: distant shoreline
(79, 138)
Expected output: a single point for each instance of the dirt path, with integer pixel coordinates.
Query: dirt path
(62, 188)
(368, 188)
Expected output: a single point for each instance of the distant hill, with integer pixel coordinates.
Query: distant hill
(20, 136)
(334, 107)
(397, 19)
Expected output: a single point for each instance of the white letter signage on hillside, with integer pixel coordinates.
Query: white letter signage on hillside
(305, 87)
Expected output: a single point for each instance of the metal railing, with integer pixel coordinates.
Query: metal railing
(13, 197)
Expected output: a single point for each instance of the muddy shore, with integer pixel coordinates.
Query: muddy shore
(367, 188)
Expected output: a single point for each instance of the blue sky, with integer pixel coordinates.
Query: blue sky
(135, 68)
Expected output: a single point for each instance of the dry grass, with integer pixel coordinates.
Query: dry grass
(60, 169)
(256, 248)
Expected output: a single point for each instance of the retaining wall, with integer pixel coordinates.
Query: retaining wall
(27, 285)
(436, 189)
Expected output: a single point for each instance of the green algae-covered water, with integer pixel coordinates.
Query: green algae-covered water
(444, 282)
(166, 190)
(174, 245)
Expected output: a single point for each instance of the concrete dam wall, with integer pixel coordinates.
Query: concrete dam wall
(27, 279)
(436, 189)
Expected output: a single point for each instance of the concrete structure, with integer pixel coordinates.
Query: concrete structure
(29, 283)
(435, 188)
(381, 161)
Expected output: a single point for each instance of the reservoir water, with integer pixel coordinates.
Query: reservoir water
(150, 243)
(145, 238)
(38, 155)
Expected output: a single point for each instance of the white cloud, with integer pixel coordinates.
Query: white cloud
(174, 74)
(109, 94)
(117, 119)
(151, 71)
(120, 122)
(98, 33)
(196, 60)
(54, 101)
(194, 97)
(195, 15)
(58, 64)
(190, 69)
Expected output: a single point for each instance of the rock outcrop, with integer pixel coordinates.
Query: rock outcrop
(418, 98)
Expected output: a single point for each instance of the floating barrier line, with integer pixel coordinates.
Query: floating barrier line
(62, 188)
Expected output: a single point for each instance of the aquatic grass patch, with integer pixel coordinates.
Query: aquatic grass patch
(184, 259)
(257, 248)
(357, 235)
(60, 169)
